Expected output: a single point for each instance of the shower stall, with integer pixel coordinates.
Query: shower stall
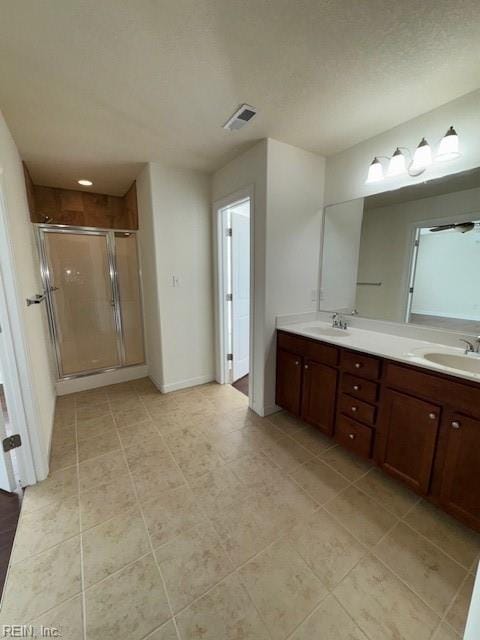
(92, 286)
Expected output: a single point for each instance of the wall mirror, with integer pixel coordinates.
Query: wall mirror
(409, 255)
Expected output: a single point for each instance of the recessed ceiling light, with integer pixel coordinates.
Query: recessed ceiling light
(85, 183)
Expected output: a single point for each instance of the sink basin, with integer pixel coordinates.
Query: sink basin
(459, 362)
(328, 331)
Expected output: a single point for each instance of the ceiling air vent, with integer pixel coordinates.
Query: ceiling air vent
(240, 118)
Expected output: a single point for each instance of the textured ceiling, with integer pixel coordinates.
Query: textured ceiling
(95, 88)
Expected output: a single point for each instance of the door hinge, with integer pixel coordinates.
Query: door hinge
(229, 356)
(12, 442)
(229, 297)
(410, 290)
(417, 243)
(229, 232)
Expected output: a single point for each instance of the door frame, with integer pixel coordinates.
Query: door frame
(221, 375)
(30, 459)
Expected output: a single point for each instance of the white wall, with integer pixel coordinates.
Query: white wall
(342, 229)
(250, 170)
(346, 171)
(288, 188)
(38, 375)
(175, 241)
(446, 277)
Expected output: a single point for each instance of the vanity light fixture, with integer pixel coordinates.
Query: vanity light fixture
(448, 149)
(85, 183)
(402, 162)
(398, 164)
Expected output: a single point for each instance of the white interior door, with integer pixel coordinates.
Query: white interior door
(7, 480)
(240, 221)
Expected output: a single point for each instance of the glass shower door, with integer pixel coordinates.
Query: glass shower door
(80, 276)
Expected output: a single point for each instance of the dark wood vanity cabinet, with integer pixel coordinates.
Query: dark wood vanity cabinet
(421, 428)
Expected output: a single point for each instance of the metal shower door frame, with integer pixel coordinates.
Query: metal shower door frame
(41, 231)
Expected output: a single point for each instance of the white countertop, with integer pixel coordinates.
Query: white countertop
(399, 348)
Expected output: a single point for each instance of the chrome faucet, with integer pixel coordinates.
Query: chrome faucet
(338, 321)
(470, 346)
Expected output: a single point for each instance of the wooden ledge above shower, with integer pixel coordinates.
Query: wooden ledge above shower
(74, 208)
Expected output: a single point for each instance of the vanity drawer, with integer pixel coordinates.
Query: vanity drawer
(357, 409)
(354, 436)
(357, 363)
(323, 353)
(360, 388)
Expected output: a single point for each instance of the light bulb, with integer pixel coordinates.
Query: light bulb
(375, 171)
(85, 183)
(422, 156)
(448, 149)
(397, 165)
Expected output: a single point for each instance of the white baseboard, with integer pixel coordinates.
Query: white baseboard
(183, 384)
(101, 379)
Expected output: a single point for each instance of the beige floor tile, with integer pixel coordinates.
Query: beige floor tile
(287, 454)
(90, 398)
(445, 632)
(44, 528)
(256, 469)
(63, 435)
(458, 541)
(361, 515)
(113, 544)
(166, 632)
(349, 465)
(388, 492)
(67, 618)
(103, 470)
(286, 422)
(457, 614)
(231, 446)
(127, 605)
(226, 612)
(331, 621)
(62, 457)
(101, 444)
(64, 416)
(155, 478)
(382, 606)
(133, 434)
(95, 427)
(421, 565)
(53, 490)
(284, 503)
(319, 480)
(148, 451)
(90, 411)
(328, 549)
(191, 564)
(105, 501)
(313, 440)
(171, 513)
(42, 582)
(282, 587)
(127, 415)
(197, 460)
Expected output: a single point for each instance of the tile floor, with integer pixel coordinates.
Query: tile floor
(185, 516)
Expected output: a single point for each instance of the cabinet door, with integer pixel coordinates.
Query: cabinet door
(319, 395)
(289, 381)
(459, 491)
(407, 437)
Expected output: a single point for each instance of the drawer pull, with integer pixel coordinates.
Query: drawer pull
(432, 416)
(356, 387)
(351, 436)
(297, 362)
(306, 366)
(455, 424)
(354, 409)
(358, 365)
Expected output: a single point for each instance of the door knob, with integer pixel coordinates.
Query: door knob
(455, 424)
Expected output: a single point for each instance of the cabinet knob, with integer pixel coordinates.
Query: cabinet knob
(356, 387)
(354, 409)
(358, 365)
(306, 366)
(351, 436)
(297, 362)
(455, 424)
(432, 416)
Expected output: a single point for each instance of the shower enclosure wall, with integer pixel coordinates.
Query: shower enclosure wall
(92, 285)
